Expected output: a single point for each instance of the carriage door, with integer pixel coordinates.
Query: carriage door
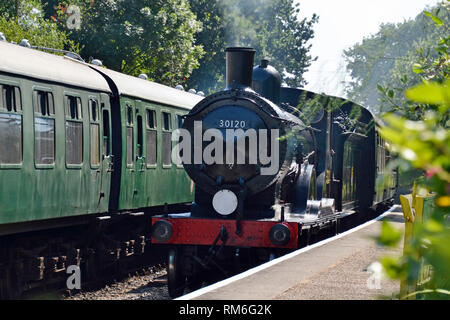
(139, 193)
(101, 131)
(127, 189)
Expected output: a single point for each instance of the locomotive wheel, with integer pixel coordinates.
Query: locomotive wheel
(176, 281)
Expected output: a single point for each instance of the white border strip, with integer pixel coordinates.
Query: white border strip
(268, 264)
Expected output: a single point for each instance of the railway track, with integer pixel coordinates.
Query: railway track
(148, 281)
(137, 270)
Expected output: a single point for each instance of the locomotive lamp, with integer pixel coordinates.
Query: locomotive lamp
(225, 202)
(162, 231)
(279, 234)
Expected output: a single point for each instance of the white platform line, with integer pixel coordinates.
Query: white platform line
(268, 264)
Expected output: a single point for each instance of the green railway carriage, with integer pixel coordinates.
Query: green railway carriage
(149, 113)
(78, 140)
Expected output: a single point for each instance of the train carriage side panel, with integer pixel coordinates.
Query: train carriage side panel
(148, 113)
(346, 146)
(50, 162)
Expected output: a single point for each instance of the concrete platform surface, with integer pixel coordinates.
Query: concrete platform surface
(338, 268)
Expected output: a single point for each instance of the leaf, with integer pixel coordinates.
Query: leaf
(390, 93)
(417, 68)
(393, 267)
(436, 20)
(389, 235)
(430, 92)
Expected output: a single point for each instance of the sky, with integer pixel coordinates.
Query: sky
(341, 25)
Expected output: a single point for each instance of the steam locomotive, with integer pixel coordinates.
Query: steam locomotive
(270, 164)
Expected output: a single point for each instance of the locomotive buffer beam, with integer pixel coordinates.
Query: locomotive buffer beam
(213, 252)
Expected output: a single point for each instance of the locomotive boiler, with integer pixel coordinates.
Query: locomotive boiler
(248, 143)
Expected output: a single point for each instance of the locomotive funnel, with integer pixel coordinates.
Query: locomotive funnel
(239, 67)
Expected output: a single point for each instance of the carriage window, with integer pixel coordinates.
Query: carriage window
(43, 103)
(10, 125)
(167, 148)
(166, 121)
(166, 139)
(151, 147)
(180, 121)
(352, 156)
(130, 135)
(130, 143)
(93, 108)
(74, 131)
(73, 107)
(44, 127)
(94, 132)
(151, 138)
(140, 137)
(106, 149)
(10, 98)
(95, 144)
(151, 119)
(129, 115)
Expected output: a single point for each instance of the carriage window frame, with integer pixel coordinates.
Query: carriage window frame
(163, 126)
(353, 150)
(106, 131)
(16, 112)
(95, 121)
(164, 130)
(155, 129)
(179, 116)
(130, 123)
(79, 118)
(50, 116)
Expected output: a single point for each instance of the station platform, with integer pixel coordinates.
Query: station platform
(339, 268)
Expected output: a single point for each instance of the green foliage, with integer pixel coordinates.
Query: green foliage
(271, 27)
(155, 37)
(389, 236)
(30, 24)
(210, 76)
(396, 56)
(9, 8)
(419, 133)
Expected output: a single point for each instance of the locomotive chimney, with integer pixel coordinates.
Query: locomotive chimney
(239, 67)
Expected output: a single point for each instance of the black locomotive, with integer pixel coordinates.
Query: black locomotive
(269, 164)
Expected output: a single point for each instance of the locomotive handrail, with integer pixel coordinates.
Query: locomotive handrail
(74, 55)
(354, 133)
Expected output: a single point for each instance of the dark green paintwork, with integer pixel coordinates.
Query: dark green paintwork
(29, 193)
(145, 185)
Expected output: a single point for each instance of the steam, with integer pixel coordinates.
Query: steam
(239, 26)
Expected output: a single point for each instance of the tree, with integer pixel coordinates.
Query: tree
(155, 37)
(387, 58)
(418, 132)
(210, 76)
(25, 20)
(272, 27)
